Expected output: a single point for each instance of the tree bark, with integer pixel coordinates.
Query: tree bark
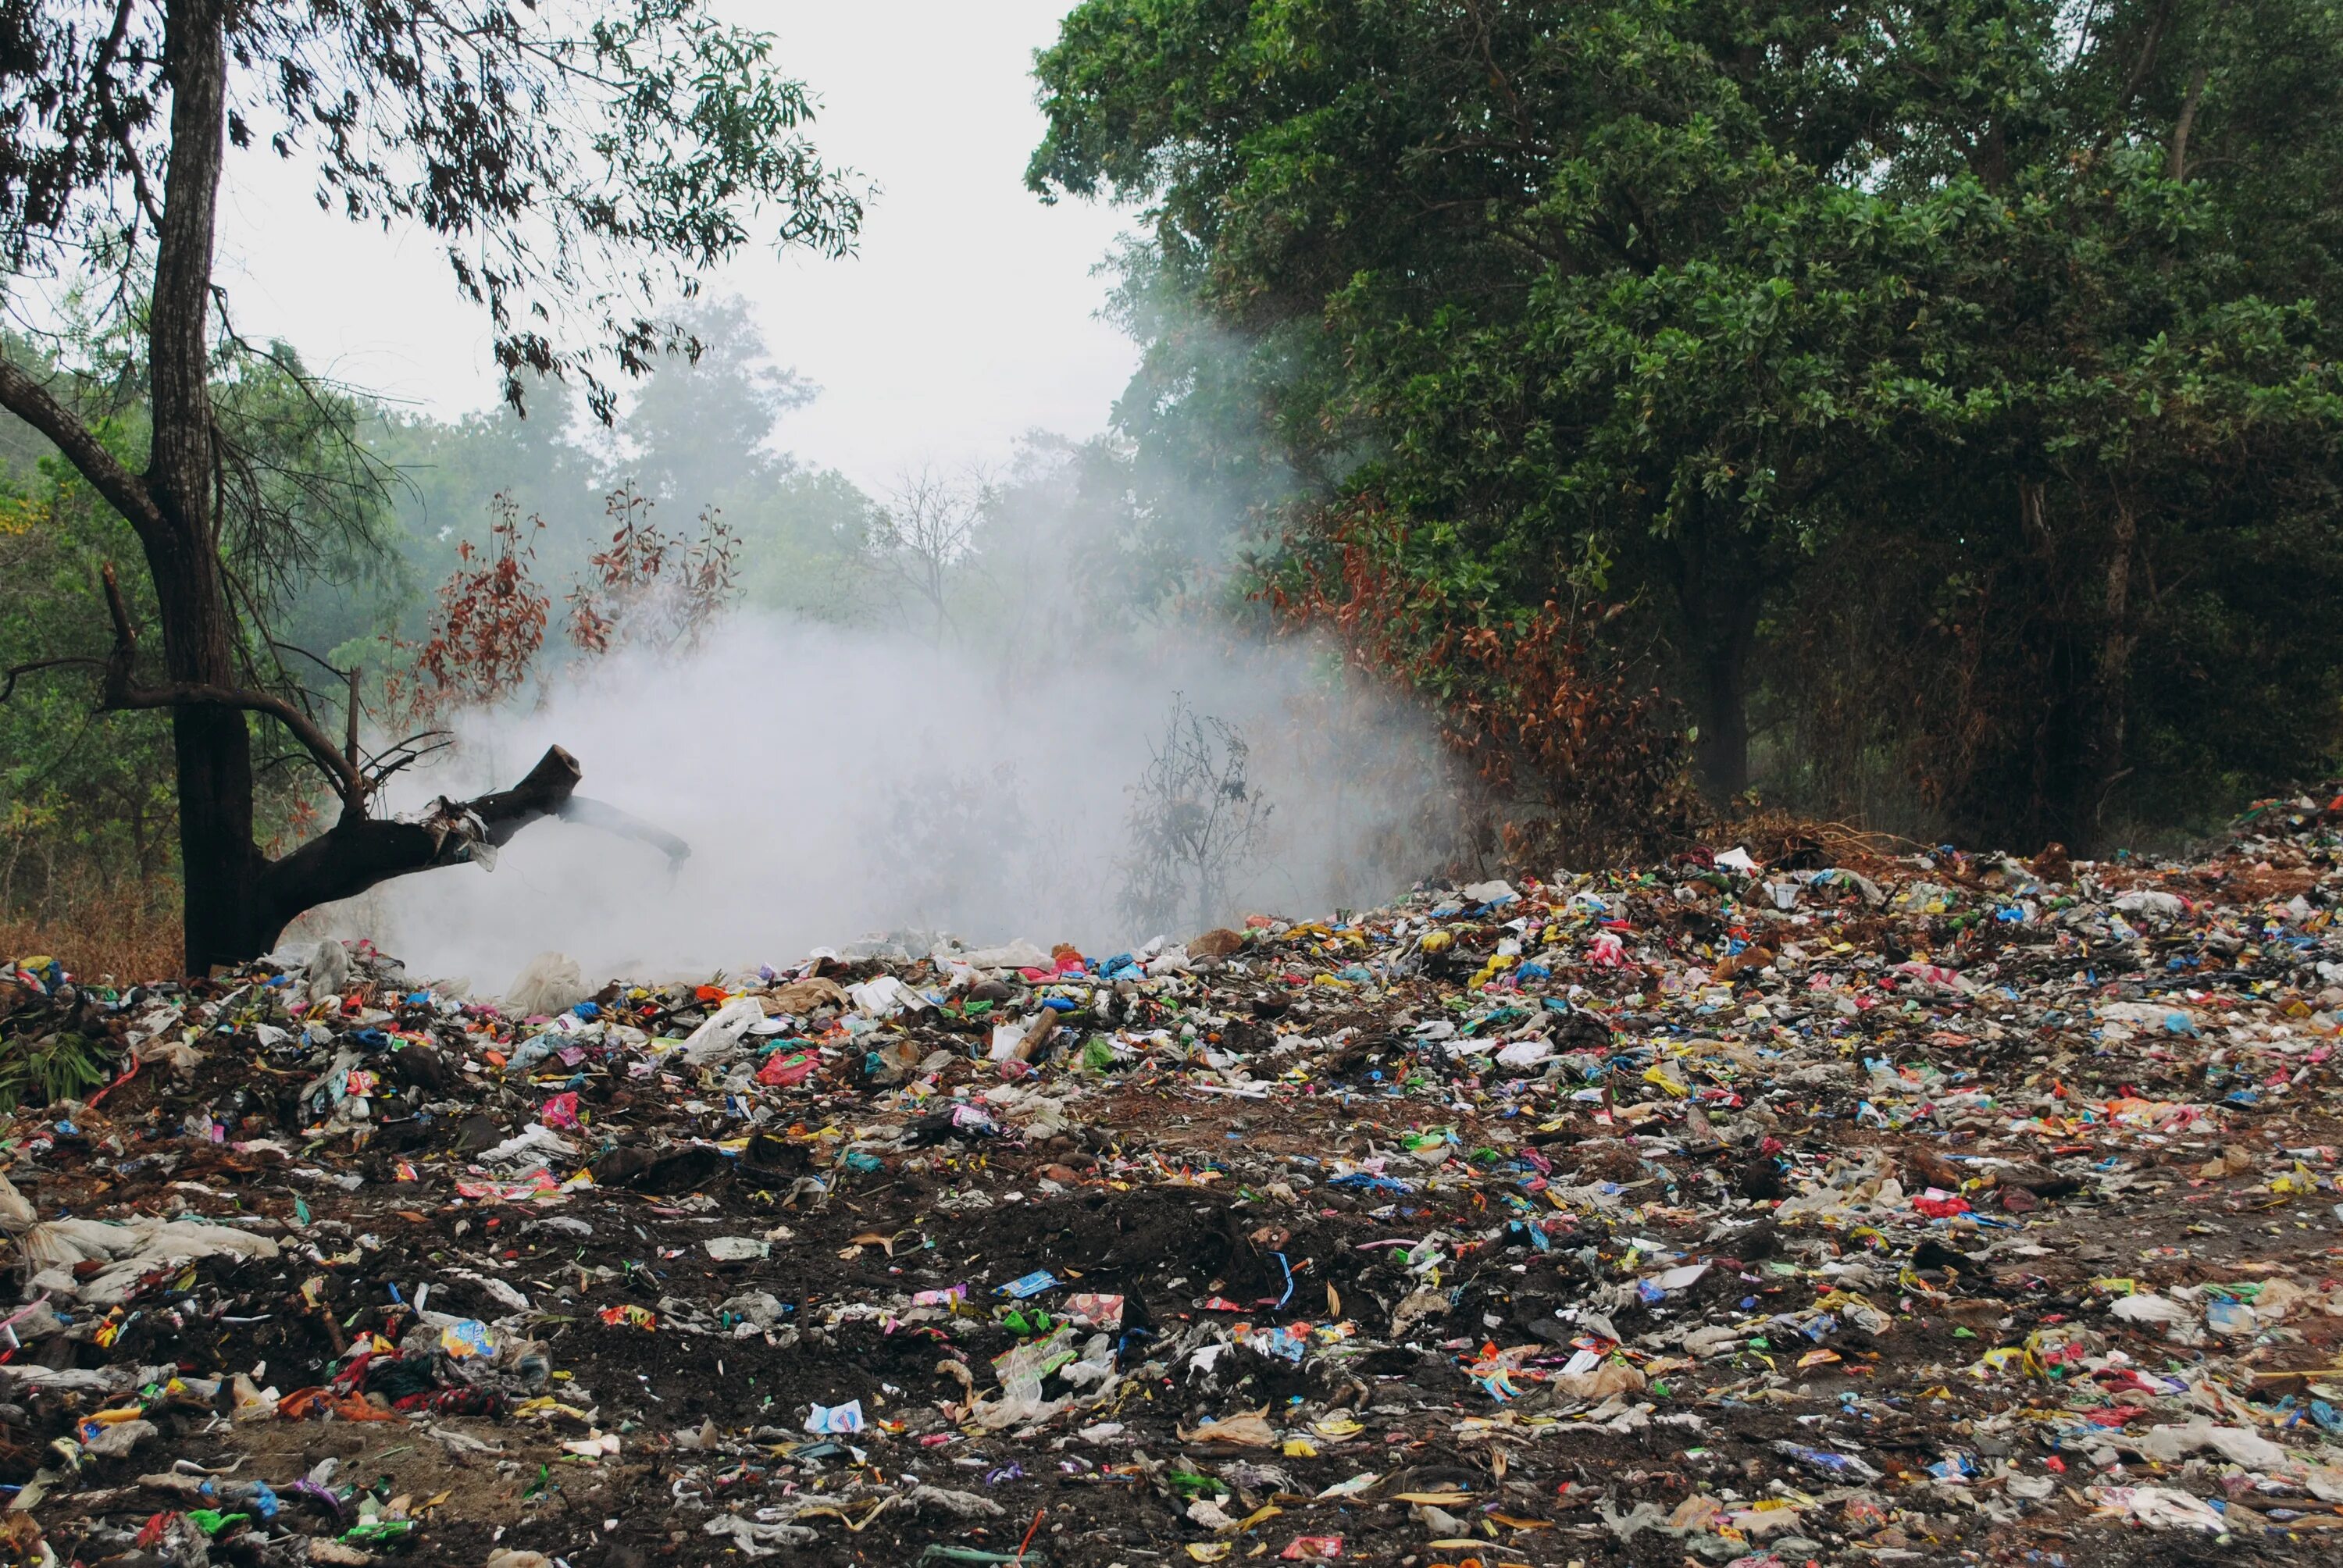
(1719, 590)
(2176, 166)
(360, 852)
(1723, 753)
(2103, 763)
(235, 901)
(219, 864)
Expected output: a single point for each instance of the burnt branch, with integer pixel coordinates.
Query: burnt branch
(626, 825)
(122, 694)
(361, 852)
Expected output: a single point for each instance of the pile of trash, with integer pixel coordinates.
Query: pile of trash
(1759, 1207)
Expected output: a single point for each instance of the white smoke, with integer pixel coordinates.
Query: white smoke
(835, 783)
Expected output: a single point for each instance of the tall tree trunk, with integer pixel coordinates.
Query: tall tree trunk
(1719, 589)
(1722, 754)
(2177, 164)
(219, 860)
(2103, 763)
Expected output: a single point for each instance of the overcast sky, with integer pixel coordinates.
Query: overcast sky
(967, 319)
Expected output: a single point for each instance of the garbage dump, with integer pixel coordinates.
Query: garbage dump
(1761, 1207)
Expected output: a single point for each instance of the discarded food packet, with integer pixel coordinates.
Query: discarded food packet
(951, 1298)
(1025, 1285)
(1825, 1461)
(1282, 1341)
(833, 1418)
(467, 1337)
(1092, 1310)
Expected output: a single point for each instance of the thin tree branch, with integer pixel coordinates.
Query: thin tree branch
(2177, 168)
(31, 402)
(2140, 67)
(348, 783)
(8, 677)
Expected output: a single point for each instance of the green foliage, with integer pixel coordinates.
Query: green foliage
(366, 507)
(60, 1066)
(579, 168)
(1730, 310)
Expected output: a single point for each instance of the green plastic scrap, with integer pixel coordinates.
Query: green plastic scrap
(940, 1554)
(1189, 1484)
(378, 1529)
(211, 1521)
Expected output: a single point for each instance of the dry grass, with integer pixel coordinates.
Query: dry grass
(130, 938)
(1768, 830)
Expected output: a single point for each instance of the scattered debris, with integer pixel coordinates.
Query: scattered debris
(1758, 1211)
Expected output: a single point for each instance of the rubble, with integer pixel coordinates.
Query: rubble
(1757, 1209)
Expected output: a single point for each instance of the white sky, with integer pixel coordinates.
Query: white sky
(967, 317)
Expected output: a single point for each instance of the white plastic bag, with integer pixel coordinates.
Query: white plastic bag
(546, 984)
(719, 1037)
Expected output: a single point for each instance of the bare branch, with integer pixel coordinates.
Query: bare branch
(8, 677)
(31, 402)
(359, 852)
(626, 825)
(348, 783)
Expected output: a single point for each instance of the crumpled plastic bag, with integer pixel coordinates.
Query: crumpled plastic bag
(548, 984)
(930, 1499)
(1627, 1526)
(175, 1054)
(886, 996)
(721, 1036)
(2150, 1308)
(130, 1250)
(1021, 1372)
(328, 970)
(2159, 1508)
(1601, 1382)
(1017, 955)
(53, 1248)
(2237, 1445)
(755, 1540)
(2154, 902)
(1714, 1340)
(18, 1214)
(1250, 1428)
(800, 997)
(534, 1145)
(118, 1439)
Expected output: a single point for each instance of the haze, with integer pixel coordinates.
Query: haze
(967, 319)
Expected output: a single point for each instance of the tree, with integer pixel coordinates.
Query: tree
(1674, 303)
(648, 589)
(701, 430)
(574, 165)
(924, 541)
(1195, 818)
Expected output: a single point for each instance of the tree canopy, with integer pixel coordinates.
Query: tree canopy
(580, 165)
(1953, 390)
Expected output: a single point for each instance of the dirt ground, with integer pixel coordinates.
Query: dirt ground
(1732, 1273)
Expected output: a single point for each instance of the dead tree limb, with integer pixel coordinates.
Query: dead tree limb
(359, 851)
(349, 786)
(626, 825)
